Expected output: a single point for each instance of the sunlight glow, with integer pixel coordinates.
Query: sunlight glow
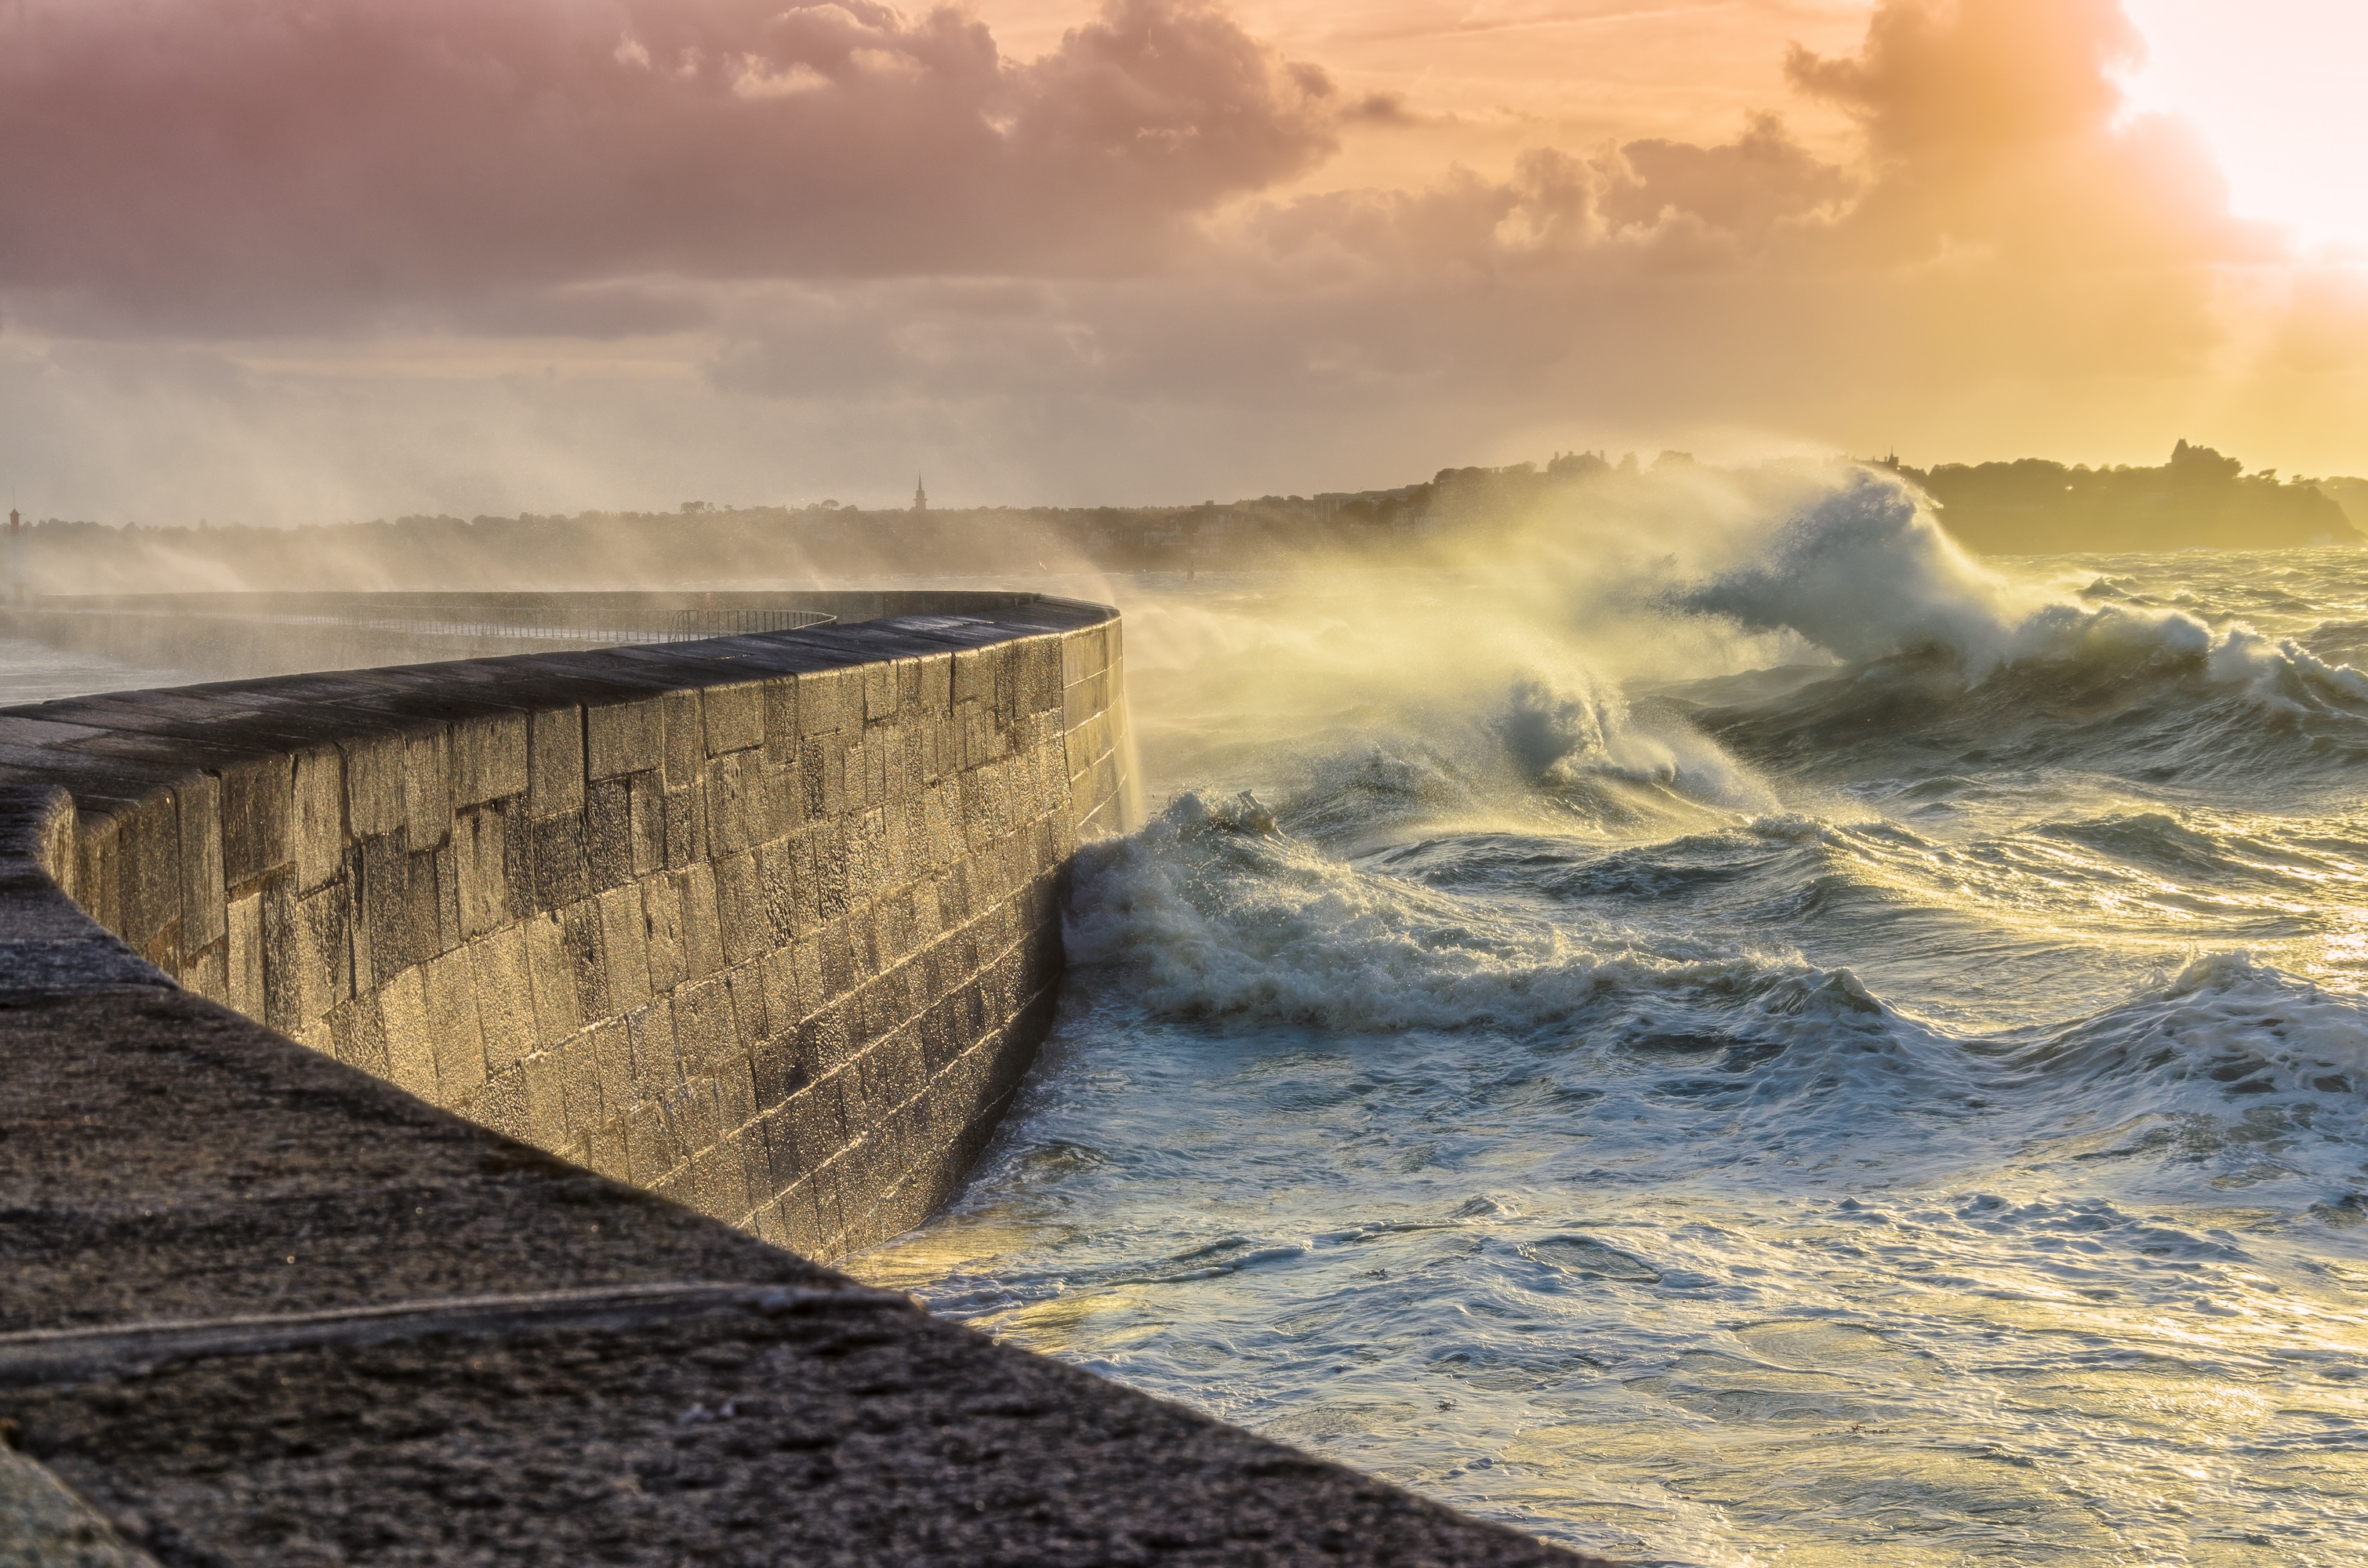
(2274, 86)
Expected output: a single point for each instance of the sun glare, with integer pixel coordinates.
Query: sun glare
(2274, 87)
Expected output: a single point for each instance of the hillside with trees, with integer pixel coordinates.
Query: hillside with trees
(2198, 499)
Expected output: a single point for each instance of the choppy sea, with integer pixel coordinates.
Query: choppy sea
(1787, 1046)
(1720, 1029)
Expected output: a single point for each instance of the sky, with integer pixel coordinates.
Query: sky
(286, 261)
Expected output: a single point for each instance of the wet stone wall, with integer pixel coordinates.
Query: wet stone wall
(767, 925)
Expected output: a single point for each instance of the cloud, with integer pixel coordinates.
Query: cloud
(233, 166)
(2012, 258)
(827, 241)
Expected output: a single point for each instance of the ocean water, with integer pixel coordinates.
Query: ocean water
(1733, 1034)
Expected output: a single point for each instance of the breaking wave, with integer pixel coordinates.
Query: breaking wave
(1817, 1047)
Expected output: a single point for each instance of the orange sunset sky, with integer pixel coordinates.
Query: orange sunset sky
(302, 260)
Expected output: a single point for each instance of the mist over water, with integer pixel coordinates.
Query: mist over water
(1735, 1033)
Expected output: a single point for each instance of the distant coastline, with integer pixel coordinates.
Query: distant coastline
(2031, 506)
(2197, 500)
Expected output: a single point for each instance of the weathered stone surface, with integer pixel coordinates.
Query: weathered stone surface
(766, 926)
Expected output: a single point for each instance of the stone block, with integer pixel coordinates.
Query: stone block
(555, 766)
(778, 890)
(381, 938)
(826, 1040)
(551, 972)
(1083, 653)
(97, 880)
(579, 1082)
(702, 928)
(479, 867)
(703, 1026)
(690, 1108)
(318, 795)
(426, 790)
(656, 1062)
(607, 833)
(612, 1046)
(282, 999)
(882, 690)
(651, 1148)
(546, 1100)
(776, 1071)
(148, 840)
(1038, 669)
(409, 1036)
(817, 1123)
(661, 906)
(733, 716)
(686, 827)
(829, 876)
(738, 1195)
(358, 1037)
(500, 1103)
(579, 925)
(455, 1038)
(934, 683)
(623, 737)
(736, 807)
(784, 1000)
(800, 1222)
(780, 720)
(562, 872)
(202, 889)
(605, 1149)
(894, 1070)
(256, 800)
(740, 909)
(646, 824)
(423, 914)
(373, 784)
(206, 973)
(324, 951)
(685, 732)
(751, 1017)
(489, 757)
(780, 1170)
(505, 988)
(830, 700)
(820, 773)
(624, 948)
(736, 1092)
(243, 956)
(517, 857)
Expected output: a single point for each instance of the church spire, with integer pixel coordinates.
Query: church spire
(920, 495)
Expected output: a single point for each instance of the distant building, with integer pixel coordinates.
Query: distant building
(920, 495)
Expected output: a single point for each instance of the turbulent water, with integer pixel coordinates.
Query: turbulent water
(1803, 1049)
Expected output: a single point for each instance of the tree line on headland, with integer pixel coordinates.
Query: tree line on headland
(2031, 506)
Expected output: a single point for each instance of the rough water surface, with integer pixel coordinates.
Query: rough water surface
(1813, 1051)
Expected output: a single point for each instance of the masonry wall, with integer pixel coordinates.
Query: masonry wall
(767, 925)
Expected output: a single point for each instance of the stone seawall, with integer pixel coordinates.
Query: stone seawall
(764, 925)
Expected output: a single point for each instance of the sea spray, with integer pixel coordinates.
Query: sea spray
(1784, 1043)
